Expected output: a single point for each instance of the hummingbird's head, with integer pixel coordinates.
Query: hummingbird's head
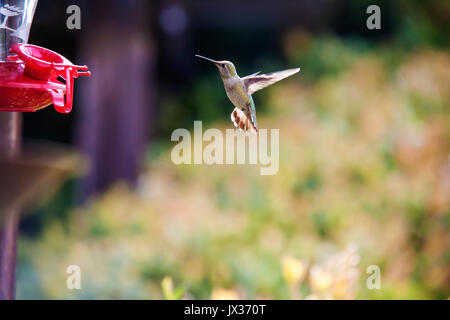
(226, 68)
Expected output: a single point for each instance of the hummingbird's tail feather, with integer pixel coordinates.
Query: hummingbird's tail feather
(243, 122)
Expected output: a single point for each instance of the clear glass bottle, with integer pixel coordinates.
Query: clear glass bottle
(16, 17)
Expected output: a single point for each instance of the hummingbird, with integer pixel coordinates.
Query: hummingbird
(239, 91)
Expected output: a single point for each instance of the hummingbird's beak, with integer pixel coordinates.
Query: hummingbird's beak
(207, 59)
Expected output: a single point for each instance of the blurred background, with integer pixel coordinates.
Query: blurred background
(364, 173)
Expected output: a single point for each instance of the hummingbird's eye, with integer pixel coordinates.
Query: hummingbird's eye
(223, 65)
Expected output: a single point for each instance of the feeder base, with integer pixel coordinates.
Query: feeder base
(19, 93)
(30, 80)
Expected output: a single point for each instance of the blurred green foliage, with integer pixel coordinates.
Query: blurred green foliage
(363, 180)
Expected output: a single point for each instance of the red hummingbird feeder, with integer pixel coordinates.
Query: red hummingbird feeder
(30, 80)
(31, 77)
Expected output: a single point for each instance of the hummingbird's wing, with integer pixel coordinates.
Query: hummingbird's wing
(245, 120)
(255, 82)
(253, 74)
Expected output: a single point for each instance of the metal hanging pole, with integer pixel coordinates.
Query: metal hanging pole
(10, 143)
